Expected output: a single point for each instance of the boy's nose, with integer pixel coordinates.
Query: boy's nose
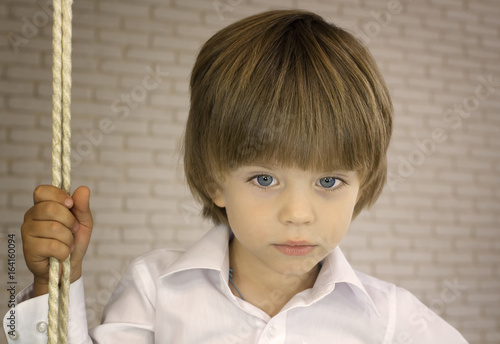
(296, 208)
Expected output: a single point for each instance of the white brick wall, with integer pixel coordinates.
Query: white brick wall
(438, 222)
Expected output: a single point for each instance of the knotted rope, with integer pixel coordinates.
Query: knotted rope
(61, 164)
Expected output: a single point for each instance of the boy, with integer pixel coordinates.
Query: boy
(285, 144)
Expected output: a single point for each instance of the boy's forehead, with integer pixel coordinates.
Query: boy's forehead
(273, 165)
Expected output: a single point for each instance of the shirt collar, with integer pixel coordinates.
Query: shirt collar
(207, 254)
(336, 269)
(204, 254)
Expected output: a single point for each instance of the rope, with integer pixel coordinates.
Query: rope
(61, 164)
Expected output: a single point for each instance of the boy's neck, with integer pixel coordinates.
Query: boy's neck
(263, 287)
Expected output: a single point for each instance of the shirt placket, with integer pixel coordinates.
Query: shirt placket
(275, 330)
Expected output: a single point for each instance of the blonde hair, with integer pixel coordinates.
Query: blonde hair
(288, 87)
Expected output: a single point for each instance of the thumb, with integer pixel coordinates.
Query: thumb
(81, 210)
(81, 207)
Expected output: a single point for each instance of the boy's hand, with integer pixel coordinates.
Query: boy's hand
(56, 226)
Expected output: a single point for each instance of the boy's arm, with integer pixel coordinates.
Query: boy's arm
(128, 318)
(27, 322)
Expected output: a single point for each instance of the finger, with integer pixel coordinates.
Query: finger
(51, 193)
(43, 248)
(81, 207)
(52, 211)
(48, 230)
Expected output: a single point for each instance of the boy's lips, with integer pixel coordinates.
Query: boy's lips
(295, 248)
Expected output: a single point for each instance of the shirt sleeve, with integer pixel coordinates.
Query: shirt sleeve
(27, 322)
(415, 323)
(129, 316)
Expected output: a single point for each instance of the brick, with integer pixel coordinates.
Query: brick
(132, 127)
(459, 257)
(171, 129)
(32, 105)
(96, 50)
(17, 184)
(97, 21)
(169, 160)
(20, 58)
(129, 67)
(157, 55)
(121, 38)
(119, 218)
(170, 190)
(27, 167)
(171, 101)
(150, 173)
(396, 242)
(17, 119)
(95, 79)
(123, 188)
(3, 171)
(123, 9)
(452, 231)
(32, 136)
(151, 143)
(417, 257)
(175, 43)
(98, 170)
(12, 216)
(194, 4)
(28, 73)
(150, 203)
(476, 219)
(176, 15)
(139, 235)
(394, 270)
(194, 31)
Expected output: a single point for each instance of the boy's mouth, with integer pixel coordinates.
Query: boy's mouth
(295, 248)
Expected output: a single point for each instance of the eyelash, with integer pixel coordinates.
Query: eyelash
(252, 182)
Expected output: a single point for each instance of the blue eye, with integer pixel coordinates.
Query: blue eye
(264, 180)
(328, 182)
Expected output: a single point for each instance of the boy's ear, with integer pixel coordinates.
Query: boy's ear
(218, 199)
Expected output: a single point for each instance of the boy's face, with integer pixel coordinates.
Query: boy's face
(287, 219)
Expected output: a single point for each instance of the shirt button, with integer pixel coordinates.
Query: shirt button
(41, 327)
(271, 332)
(13, 335)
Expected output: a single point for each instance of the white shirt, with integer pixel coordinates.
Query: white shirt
(172, 296)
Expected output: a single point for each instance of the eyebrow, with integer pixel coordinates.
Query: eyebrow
(342, 173)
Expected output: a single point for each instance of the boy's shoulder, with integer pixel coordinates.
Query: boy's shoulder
(407, 317)
(156, 262)
(387, 294)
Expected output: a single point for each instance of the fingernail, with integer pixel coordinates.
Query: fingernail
(68, 202)
(75, 227)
